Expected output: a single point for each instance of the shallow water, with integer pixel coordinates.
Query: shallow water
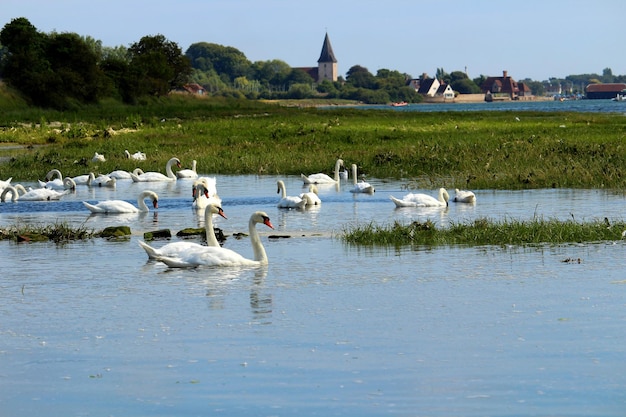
(93, 328)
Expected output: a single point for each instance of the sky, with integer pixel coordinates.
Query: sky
(536, 39)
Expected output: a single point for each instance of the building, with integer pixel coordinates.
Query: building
(500, 86)
(604, 91)
(326, 64)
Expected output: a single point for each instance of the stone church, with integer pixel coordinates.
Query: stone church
(326, 64)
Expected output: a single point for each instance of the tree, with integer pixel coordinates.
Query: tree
(360, 77)
(226, 60)
(460, 82)
(157, 66)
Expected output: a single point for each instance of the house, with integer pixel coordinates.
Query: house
(604, 90)
(503, 86)
(193, 88)
(445, 91)
(426, 86)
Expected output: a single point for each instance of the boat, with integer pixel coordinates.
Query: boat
(399, 104)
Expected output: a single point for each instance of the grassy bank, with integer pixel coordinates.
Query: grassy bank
(477, 150)
(485, 232)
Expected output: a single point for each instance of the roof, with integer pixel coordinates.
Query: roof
(327, 54)
(605, 88)
(425, 85)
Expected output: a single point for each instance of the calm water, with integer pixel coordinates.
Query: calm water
(94, 329)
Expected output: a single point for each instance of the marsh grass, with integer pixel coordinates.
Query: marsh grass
(57, 232)
(485, 232)
(476, 150)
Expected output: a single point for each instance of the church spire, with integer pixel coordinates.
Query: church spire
(327, 54)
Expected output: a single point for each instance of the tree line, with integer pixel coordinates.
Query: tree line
(60, 70)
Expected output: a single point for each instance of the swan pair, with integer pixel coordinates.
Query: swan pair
(39, 194)
(178, 249)
(289, 202)
(157, 176)
(216, 256)
(120, 206)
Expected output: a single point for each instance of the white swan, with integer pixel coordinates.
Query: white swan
(38, 194)
(360, 187)
(137, 156)
(464, 196)
(222, 257)
(120, 206)
(288, 201)
(343, 174)
(98, 158)
(4, 184)
(55, 181)
(311, 197)
(188, 173)
(14, 190)
(83, 179)
(204, 193)
(176, 249)
(423, 200)
(322, 178)
(101, 181)
(120, 174)
(157, 176)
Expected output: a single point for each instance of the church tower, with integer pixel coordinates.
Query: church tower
(327, 64)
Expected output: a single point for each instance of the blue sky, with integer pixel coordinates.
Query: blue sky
(535, 39)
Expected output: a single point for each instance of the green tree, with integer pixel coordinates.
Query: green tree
(360, 77)
(460, 82)
(157, 66)
(223, 60)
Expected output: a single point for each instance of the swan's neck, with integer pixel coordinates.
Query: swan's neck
(257, 247)
(336, 177)
(141, 203)
(283, 191)
(354, 174)
(168, 169)
(193, 166)
(54, 173)
(211, 240)
(9, 189)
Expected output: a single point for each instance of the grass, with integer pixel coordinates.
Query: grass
(57, 232)
(485, 232)
(476, 150)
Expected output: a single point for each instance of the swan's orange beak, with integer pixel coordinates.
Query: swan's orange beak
(155, 203)
(267, 222)
(220, 211)
(206, 193)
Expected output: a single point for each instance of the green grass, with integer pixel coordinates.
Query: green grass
(57, 232)
(484, 232)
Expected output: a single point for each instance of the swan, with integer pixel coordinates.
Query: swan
(423, 200)
(343, 174)
(14, 190)
(204, 193)
(98, 158)
(38, 194)
(137, 156)
(222, 257)
(360, 187)
(120, 174)
(120, 206)
(323, 178)
(288, 201)
(176, 249)
(188, 173)
(157, 176)
(464, 196)
(83, 179)
(101, 181)
(311, 197)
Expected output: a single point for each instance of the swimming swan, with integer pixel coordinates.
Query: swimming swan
(222, 257)
(423, 200)
(177, 249)
(464, 196)
(322, 178)
(55, 181)
(157, 176)
(360, 187)
(188, 173)
(120, 206)
(38, 194)
(204, 193)
(311, 197)
(288, 201)
(137, 156)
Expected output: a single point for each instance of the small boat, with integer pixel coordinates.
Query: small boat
(399, 104)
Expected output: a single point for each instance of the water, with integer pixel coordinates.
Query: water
(585, 106)
(93, 328)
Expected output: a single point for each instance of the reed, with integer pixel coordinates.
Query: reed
(485, 232)
(57, 232)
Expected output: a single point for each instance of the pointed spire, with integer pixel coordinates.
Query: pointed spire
(327, 54)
